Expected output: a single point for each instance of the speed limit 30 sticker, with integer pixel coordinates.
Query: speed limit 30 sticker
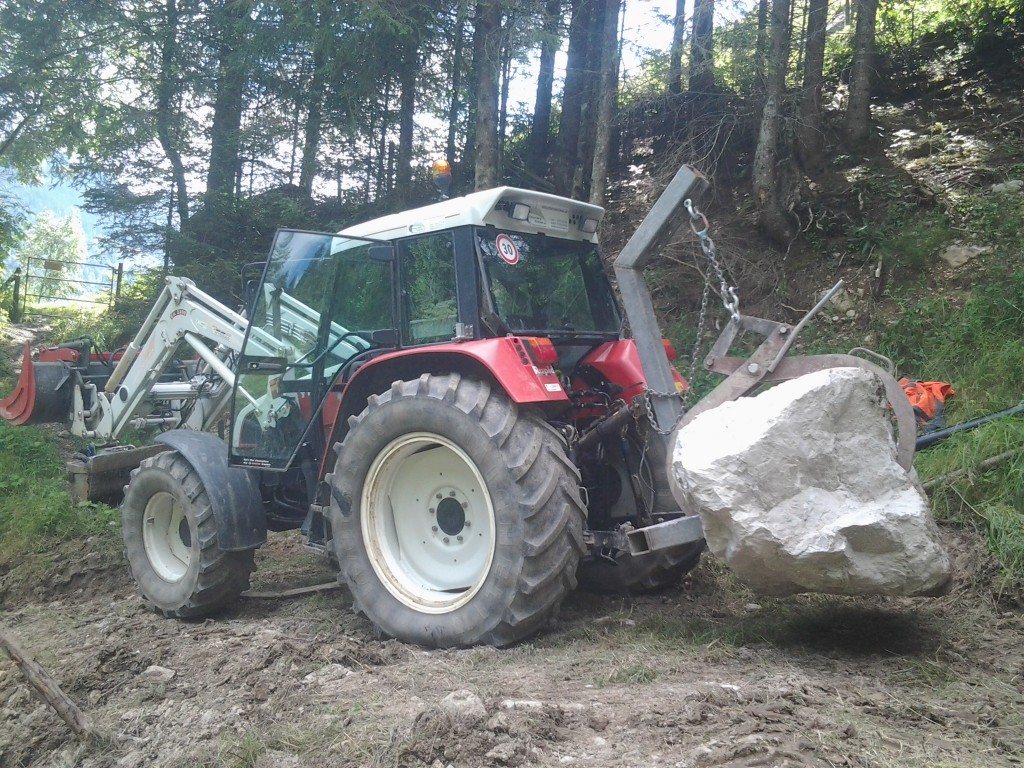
(507, 249)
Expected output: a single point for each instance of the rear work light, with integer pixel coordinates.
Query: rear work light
(520, 212)
(542, 350)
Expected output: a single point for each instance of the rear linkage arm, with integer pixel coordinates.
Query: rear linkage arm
(767, 364)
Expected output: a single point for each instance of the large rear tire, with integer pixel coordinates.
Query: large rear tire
(170, 541)
(457, 518)
(620, 572)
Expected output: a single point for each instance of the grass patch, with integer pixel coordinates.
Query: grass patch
(630, 674)
(971, 335)
(923, 673)
(35, 508)
(338, 737)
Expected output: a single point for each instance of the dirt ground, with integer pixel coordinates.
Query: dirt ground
(701, 675)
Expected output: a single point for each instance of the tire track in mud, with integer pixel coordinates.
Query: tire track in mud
(695, 677)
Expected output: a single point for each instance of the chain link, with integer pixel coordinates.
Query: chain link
(698, 341)
(730, 300)
(649, 408)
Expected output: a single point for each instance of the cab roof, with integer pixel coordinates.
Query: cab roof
(509, 208)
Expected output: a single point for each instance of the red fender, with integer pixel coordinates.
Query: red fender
(619, 362)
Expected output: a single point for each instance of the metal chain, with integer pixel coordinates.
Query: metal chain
(697, 343)
(649, 408)
(730, 300)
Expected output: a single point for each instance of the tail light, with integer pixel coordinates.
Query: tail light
(542, 350)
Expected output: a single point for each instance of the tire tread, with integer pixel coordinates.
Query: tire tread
(221, 576)
(547, 499)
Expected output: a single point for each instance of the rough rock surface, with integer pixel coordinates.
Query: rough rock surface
(799, 491)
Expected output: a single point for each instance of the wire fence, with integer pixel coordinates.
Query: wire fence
(40, 282)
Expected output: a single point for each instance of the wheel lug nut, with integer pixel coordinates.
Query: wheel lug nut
(451, 493)
(433, 528)
(432, 510)
(440, 496)
(467, 524)
(458, 538)
(445, 539)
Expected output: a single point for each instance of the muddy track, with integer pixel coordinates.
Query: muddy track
(701, 675)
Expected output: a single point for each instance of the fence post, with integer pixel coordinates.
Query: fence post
(16, 303)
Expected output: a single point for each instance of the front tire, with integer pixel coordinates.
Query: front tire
(457, 519)
(170, 541)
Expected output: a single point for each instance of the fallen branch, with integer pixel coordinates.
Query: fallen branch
(958, 474)
(46, 686)
(326, 587)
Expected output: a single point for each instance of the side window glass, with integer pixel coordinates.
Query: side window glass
(429, 305)
(321, 297)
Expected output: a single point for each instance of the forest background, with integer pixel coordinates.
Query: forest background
(195, 128)
(854, 138)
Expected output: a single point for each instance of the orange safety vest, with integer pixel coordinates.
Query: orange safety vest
(928, 399)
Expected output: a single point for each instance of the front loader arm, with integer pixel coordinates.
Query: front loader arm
(182, 312)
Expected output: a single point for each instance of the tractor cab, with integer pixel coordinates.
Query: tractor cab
(495, 264)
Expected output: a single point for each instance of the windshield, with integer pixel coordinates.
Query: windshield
(541, 284)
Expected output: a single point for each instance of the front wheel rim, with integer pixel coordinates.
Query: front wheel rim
(428, 523)
(166, 536)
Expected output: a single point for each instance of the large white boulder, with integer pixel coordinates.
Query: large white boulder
(799, 491)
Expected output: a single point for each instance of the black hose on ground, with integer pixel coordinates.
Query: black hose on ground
(930, 439)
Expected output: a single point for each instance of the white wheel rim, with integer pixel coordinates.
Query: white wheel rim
(428, 523)
(166, 536)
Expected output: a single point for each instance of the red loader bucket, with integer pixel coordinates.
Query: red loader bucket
(42, 394)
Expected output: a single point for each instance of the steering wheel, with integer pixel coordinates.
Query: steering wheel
(347, 335)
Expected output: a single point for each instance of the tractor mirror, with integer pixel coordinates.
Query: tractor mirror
(252, 292)
(382, 253)
(250, 274)
(386, 337)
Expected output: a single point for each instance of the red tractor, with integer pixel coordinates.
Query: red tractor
(443, 400)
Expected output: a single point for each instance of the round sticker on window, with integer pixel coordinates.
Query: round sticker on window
(507, 249)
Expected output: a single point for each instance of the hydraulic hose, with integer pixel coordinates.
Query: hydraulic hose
(926, 441)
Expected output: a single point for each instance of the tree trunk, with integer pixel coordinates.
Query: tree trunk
(702, 72)
(572, 95)
(165, 112)
(506, 78)
(382, 177)
(809, 130)
(761, 46)
(473, 86)
(488, 158)
(314, 117)
(675, 56)
(858, 110)
(406, 117)
(609, 95)
(540, 130)
(590, 104)
(456, 83)
(797, 37)
(232, 75)
(767, 193)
